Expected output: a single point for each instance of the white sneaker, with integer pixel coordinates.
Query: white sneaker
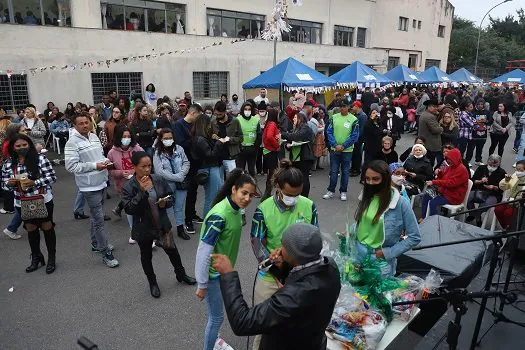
(131, 241)
(328, 195)
(12, 235)
(153, 246)
(3, 211)
(514, 165)
(343, 196)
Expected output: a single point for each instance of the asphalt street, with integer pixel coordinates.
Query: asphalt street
(113, 307)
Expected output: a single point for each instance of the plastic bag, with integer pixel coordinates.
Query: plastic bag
(430, 285)
(359, 329)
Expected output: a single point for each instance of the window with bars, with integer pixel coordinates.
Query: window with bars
(392, 62)
(343, 36)
(304, 32)
(431, 63)
(361, 37)
(234, 24)
(441, 31)
(403, 24)
(123, 83)
(13, 92)
(36, 12)
(210, 85)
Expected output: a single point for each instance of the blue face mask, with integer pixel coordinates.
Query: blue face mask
(126, 141)
(491, 168)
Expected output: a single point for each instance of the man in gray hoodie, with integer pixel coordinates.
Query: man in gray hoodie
(85, 159)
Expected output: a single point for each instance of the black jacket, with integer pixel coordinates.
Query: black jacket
(165, 123)
(295, 317)
(421, 167)
(206, 153)
(146, 132)
(136, 203)
(493, 179)
(373, 134)
(303, 133)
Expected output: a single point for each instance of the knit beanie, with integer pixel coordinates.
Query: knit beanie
(302, 242)
(418, 145)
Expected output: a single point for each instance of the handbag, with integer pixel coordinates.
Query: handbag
(32, 207)
(432, 191)
(182, 186)
(202, 177)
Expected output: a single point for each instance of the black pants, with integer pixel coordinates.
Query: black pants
(357, 158)
(146, 254)
(191, 195)
(9, 198)
(478, 144)
(259, 164)
(496, 140)
(305, 166)
(248, 156)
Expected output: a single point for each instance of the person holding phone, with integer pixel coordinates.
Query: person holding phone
(146, 197)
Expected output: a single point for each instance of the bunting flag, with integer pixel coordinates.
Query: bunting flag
(108, 62)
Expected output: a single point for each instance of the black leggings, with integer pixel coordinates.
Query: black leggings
(305, 166)
(498, 140)
(146, 254)
(248, 156)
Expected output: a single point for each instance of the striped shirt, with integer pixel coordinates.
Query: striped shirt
(42, 185)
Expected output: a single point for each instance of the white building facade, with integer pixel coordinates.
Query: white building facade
(327, 35)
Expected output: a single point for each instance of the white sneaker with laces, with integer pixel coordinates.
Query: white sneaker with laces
(328, 195)
(12, 235)
(131, 241)
(343, 196)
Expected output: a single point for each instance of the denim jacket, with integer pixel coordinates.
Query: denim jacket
(397, 219)
(172, 169)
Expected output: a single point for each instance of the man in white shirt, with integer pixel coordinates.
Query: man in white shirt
(262, 97)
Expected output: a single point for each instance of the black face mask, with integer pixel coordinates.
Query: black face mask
(22, 151)
(371, 190)
(235, 99)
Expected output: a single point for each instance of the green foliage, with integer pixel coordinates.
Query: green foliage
(502, 40)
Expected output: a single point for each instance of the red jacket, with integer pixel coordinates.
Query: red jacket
(453, 182)
(271, 130)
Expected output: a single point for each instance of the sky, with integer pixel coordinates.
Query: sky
(476, 9)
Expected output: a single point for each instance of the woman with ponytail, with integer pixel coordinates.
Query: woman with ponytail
(286, 207)
(221, 234)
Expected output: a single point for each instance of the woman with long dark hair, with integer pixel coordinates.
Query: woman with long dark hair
(143, 128)
(146, 197)
(221, 234)
(272, 145)
(69, 111)
(208, 154)
(27, 174)
(124, 145)
(170, 163)
(382, 216)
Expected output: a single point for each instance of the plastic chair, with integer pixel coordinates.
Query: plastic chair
(489, 213)
(453, 209)
(56, 143)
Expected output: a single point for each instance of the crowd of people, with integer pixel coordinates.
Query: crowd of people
(158, 153)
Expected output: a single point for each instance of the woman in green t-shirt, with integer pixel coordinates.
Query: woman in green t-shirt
(221, 234)
(383, 217)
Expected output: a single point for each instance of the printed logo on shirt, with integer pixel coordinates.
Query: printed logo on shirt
(346, 125)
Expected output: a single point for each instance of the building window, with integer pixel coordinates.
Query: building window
(412, 61)
(234, 24)
(361, 37)
(418, 24)
(431, 63)
(441, 31)
(392, 62)
(343, 36)
(403, 24)
(36, 12)
(414, 23)
(13, 92)
(135, 15)
(123, 83)
(210, 85)
(304, 32)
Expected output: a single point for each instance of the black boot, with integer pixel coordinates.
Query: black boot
(181, 233)
(187, 279)
(118, 209)
(154, 287)
(36, 255)
(51, 242)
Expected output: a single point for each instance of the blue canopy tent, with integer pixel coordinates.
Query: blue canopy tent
(435, 75)
(290, 74)
(359, 73)
(516, 76)
(403, 75)
(462, 75)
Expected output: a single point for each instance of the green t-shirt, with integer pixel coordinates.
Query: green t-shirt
(222, 229)
(369, 233)
(343, 128)
(276, 221)
(249, 129)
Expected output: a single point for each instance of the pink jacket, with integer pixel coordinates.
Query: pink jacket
(121, 160)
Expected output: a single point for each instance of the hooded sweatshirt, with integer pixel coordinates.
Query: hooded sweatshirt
(453, 182)
(121, 160)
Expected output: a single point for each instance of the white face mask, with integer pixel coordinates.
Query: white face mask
(491, 168)
(289, 201)
(125, 141)
(398, 180)
(247, 113)
(389, 114)
(520, 173)
(209, 114)
(167, 142)
(419, 156)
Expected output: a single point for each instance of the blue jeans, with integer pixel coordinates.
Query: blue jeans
(228, 165)
(215, 313)
(95, 201)
(178, 206)
(433, 205)
(212, 186)
(338, 160)
(521, 148)
(15, 223)
(80, 201)
(517, 140)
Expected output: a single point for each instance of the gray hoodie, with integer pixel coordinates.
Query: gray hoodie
(82, 155)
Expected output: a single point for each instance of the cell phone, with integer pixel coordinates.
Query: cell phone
(164, 198)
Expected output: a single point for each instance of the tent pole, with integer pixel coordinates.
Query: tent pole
(274, 52)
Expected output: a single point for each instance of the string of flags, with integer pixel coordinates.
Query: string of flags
(124, 60)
